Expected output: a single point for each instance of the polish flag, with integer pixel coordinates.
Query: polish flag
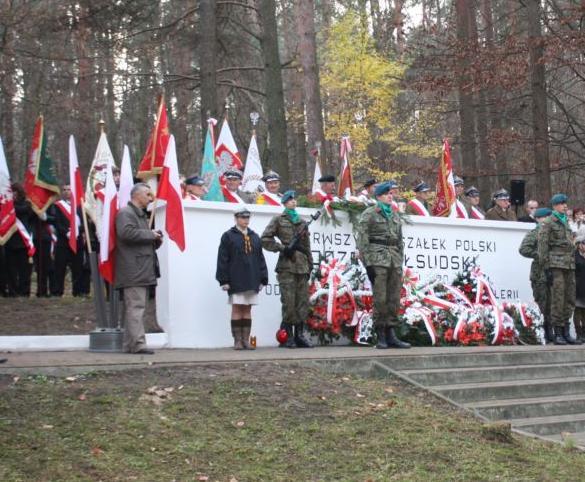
(345, 189)
(169, 190)
(126, 179)
(108, 226)
(76, 195)
(7, 212)
(226, 151)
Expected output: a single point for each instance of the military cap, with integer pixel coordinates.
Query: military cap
(393, 184)
(501, 194)
(457, 181)
(369, 182)
(542, 212)
(327, 178)
(271, 176)
(384, 187)
(194, 181)
(288, 195)
(421, 187)
(558, 199)
(233, 174)
(242, 212)
(472, 191)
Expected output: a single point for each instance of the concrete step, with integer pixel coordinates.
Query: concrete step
(478, 358)
(529, 407)
(555, 424)
(577, 437)
(451, 376)
(475, 392)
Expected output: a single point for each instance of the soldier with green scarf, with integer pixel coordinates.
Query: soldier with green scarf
(379, 241)
(556, 254)
(292, 269)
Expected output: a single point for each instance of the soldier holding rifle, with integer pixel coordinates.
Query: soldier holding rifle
(288, 235)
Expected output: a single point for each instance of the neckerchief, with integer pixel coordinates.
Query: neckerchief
(561, 217)
(385, 209)
(293, 215)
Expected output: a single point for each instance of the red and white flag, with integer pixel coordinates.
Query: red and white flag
(76, 195)
(445, 185)
(7, 212)
(226, 151)
(108, 226)
(316, 176)
(345, 189)
(126, 179)
(169, 190)
(152, 161)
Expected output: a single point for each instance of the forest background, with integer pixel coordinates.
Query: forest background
(503, 80)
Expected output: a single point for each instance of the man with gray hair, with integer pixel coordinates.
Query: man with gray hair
(136, 264)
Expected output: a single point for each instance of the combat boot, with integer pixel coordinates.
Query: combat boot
(393, 341)
(567, 335)
(237, 334)
(559, 338)
(290, 339)
(246, 329)
(549, 335)
(300, 340)
(382, 342)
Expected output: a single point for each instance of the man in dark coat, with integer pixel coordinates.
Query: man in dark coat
(136, 264)
(242, 272)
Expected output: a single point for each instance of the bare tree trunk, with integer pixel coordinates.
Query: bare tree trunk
(277, 147)
(539, 99)
(207, 63)
(310, 69)
(466, 110)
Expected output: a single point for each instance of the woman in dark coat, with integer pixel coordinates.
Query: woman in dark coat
(242, 272)
(579, 314)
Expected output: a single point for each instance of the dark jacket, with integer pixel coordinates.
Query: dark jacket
(136, 262)
(27, 216)
(580, 276)
(243, 271)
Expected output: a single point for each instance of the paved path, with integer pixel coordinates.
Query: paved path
(46, 362)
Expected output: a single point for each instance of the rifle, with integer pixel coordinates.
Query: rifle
(293, 246)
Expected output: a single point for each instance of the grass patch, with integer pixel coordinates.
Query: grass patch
(248, 423)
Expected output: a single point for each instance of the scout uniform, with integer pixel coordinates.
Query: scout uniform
(556, 253)
(379, 240)
(292, 271)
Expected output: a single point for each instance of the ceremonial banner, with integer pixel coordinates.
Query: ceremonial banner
(345, 189)
(154, 156)
(316, 176)
(226, 151)
(126, 179)
(445, 185)
(7, 212)
(108, 226)
(76, 195)
(40, 184)
(209, 169)
(96, 181)
(253, 171)
(169, 190)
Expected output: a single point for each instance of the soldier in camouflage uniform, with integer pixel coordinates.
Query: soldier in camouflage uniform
(540, 290)
(556, 254)
(380, 244)
(292, 269)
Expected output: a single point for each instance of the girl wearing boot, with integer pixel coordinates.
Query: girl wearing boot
(242, 272)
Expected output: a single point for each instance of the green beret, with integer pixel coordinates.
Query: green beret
(558, 199)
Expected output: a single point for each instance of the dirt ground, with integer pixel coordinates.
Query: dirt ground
(55, 316)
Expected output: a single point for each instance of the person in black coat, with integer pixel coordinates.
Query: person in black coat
(242, 272)
(579, 314)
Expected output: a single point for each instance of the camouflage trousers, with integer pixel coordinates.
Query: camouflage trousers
(294, 296)
(386, 286)
(562, 296)
(541, 294)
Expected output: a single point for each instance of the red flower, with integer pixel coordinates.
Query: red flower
(449, 335)
(467, 288)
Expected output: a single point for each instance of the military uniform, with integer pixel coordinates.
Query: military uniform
(498, 214)
(379, 240)
(540, 290)
(556, 254)
(292, 272)
(414, 210)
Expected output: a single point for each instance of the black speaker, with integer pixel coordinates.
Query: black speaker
(517, 191)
